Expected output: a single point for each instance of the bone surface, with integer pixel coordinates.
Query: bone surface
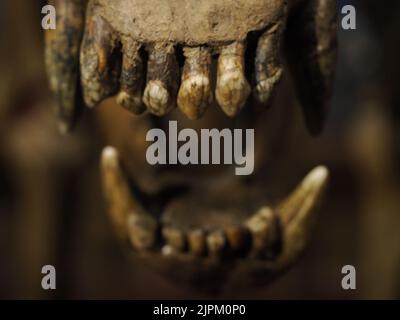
(193, 22)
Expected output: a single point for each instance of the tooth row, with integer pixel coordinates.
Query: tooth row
(92, 50)
(283, 231)
(102, 76)
(257, 238)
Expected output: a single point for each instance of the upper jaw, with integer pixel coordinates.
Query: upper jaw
(207, 235)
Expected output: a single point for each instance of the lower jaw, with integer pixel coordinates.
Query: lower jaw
(212, 233)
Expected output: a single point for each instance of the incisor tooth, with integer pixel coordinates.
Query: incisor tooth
(195, 95)
(232, 87)
(162, 79)
(131, 80)
(216, 242)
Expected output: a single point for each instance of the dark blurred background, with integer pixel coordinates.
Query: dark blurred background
(50, 199)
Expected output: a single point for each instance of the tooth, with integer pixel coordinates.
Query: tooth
(100, 69)
(167, 251)
(264, 229)
(62, 61)
(196, 242)
(312, 54)
(142, 229)
(175, 238)
(131, 82)
(161, 89)
(216, 242)
(268, 67)
(129, 218)
(195, 95)
(297, 213)
(232, 87)
(237, 238)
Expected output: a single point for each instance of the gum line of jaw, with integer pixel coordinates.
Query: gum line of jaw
(266, 235)
(84, 48)
(102, 77)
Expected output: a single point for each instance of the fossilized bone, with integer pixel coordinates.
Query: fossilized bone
(135, 49)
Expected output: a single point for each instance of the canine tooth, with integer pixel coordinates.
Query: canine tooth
(131, 82)
(312, 54)
(297, 213)
(232, 87)
(263, 226)
(197, 242)
(99, 70)
(237, 237)
(216, 242)
(175, 238)
(195, 95)
(128, 216)
(161, 89)
(62, 61)
(268, 67)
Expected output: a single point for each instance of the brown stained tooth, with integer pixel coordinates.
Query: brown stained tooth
(297, 214)
(175, 238)
(162, 80)
(62, 60)
(100, 67)
(268, 67)
(216, 243)
(264, 229)
(197, 242)
(195, 91)
(232, 88)
(312, 54)
(132, 78)
(128, 216)
(237, 238)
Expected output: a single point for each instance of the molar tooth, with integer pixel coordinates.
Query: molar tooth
(175, 238)
(232, 87)
(128, 216)
(197, 242)
(264, 229)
